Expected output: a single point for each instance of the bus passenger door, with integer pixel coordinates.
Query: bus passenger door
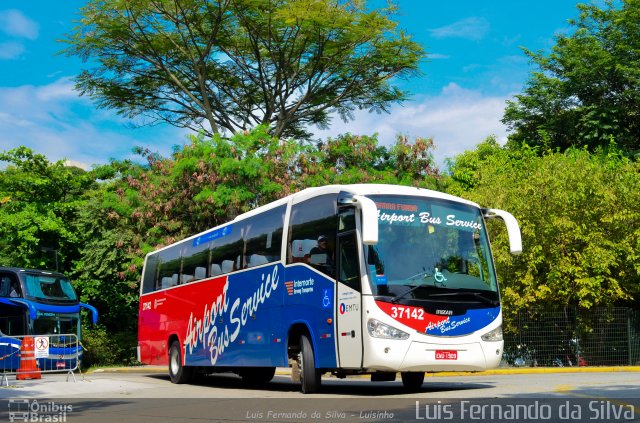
(349, 302)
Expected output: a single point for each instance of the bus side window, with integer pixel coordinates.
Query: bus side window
(195, 259)
(170, 265)
(5, 286)
(9, 286)
(311, 220)
(348, 272)
(263, 237)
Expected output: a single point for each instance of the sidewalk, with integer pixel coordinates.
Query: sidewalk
(123, 382)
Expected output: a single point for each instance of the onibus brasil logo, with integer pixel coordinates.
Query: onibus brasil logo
(24, 410)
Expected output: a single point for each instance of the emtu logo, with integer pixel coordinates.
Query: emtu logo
(346, 308)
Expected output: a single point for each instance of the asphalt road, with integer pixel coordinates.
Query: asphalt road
(142, 396)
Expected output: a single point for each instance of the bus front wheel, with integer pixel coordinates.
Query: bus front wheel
(412, 381)
(177, 372)
(310, 377)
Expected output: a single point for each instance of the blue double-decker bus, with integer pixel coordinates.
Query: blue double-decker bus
(40, 303)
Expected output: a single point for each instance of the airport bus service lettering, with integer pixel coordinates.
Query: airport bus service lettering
(206, 332)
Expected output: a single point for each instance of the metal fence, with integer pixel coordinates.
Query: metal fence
(571, 337)
(28, 356)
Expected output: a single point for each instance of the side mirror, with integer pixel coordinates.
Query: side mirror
(513, 230)
(369, 215)
(369, 220)
(93, 310)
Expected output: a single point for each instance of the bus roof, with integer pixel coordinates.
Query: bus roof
(356, 189)
(20, 270)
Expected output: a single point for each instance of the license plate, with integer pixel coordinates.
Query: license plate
(446, 355)
(61, 365)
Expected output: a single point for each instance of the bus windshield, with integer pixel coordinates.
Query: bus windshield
(48, 288)
(429, 248)
(56, 324)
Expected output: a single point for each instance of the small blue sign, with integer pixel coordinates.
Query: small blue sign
(211, 235)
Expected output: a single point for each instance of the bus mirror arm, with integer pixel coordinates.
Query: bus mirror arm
(513, 230)
(369, 219)
(93, 310)
(33, 312)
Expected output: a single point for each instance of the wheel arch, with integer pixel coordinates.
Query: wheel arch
(293, 338)
(174, 338)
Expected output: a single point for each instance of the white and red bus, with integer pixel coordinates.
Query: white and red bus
(341, 279)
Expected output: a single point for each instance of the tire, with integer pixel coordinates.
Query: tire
(257, 375)
(310, 377)
(412, 381)
(177, 372)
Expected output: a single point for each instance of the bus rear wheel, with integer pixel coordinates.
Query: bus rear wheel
(177, 372)
(310, 377)
(412, 381)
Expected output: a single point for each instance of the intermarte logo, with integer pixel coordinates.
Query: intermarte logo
(289, 286)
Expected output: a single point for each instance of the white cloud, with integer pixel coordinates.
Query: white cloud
(53, 120)
(457, 119)
(62, 89)
(11, 50)
(473, 28)
(15, 24)
(437, 56)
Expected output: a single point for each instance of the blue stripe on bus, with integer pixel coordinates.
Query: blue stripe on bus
(263, 304)
(34, 307)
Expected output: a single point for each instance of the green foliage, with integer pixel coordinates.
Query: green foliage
(105, 348)
(588, 88)
(227, 66)
(39, 204)
(349, 159)
(579, 218)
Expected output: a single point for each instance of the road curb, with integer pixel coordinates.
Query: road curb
(540, 370)
(500, 371)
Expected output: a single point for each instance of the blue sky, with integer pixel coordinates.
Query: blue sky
(474, 65)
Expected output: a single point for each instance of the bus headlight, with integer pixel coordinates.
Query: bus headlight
(377, 329)
(494, 335)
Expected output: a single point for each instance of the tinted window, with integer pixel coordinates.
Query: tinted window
(311, 221)
(348, 261)
(262, 238)
(169, 267)
(5, 285)
(13, 321)
(48, 288)
(247, 243)
(195, 260)
(150, 276)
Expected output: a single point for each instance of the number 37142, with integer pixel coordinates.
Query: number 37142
(413, 313)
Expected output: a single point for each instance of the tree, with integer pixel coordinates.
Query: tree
(39, 204)
(579, 219)
(587, 90)
(142, 207)
(223, 66)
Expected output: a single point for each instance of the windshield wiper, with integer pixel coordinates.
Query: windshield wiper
(423, 275)
(477, 295)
